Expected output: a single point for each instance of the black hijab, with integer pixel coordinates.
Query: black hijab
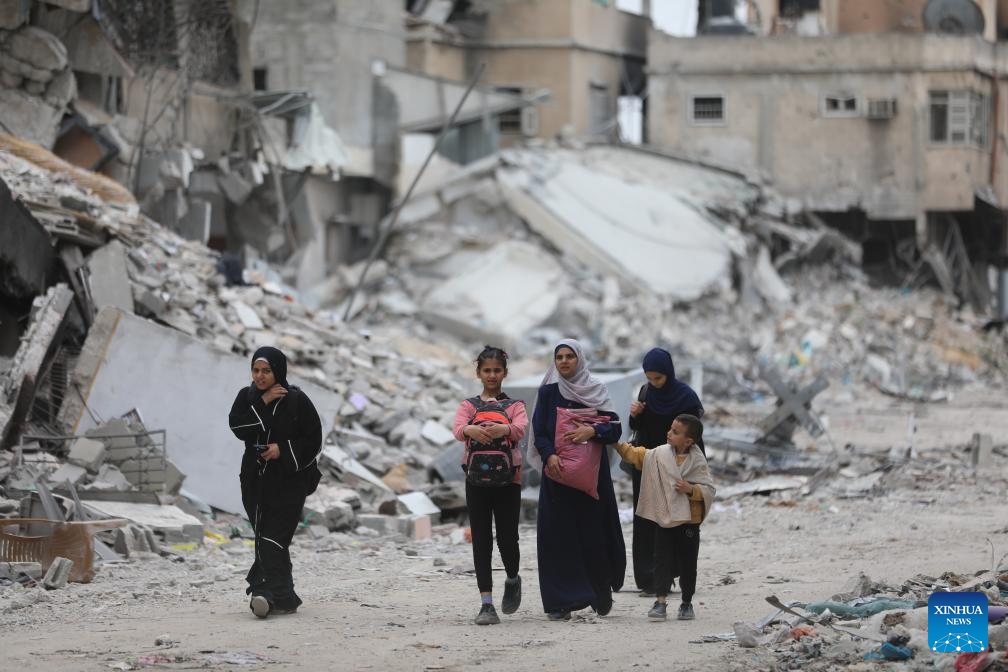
(277, 361)
(675, 396)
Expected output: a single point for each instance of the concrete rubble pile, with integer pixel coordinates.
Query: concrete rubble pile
(118, 456)
(387, 411)
(870, 625)
(808, 308)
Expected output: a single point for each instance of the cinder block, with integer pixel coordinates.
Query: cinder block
(87, 453)
(416, 527)
(375, 521)
(58, 573)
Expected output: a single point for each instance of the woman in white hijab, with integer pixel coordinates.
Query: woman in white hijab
(582, 558)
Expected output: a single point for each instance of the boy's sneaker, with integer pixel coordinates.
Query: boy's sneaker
(558, 615)
(512, 595)
(260, 606)
(487, 615)
(657, 612)
(685, 612)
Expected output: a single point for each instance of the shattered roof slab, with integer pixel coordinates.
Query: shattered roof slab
(642, 217)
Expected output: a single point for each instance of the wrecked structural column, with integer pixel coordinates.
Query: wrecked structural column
(18, 389)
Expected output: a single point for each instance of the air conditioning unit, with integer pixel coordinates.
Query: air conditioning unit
(881, 108)
(530, 120)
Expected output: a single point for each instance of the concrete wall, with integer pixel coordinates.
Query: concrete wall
(774, 125)
(203, 118)
(439, 59)
(328, 48)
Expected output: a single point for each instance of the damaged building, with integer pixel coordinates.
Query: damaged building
(588, 55)
(884, 119)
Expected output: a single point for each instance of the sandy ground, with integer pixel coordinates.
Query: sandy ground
(381, 604)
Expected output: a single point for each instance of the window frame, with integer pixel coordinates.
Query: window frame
(509, 122)
(967, 118)
(844, 113)
(691, 110)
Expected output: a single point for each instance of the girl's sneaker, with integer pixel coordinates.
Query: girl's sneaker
(657, 612)
(487, 615)
(685, 612)
(512, 595)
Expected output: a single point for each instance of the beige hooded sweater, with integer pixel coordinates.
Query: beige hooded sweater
(659, 501)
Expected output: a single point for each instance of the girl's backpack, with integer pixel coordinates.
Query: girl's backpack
(490, 464)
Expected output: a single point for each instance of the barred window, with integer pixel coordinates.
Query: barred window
(707, 110)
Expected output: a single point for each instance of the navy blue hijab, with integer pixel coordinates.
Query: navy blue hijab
(675, 396)
(277, 361)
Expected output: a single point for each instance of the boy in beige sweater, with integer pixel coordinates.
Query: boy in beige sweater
(676, 493)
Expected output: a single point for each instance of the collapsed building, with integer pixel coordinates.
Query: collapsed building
(244, 221)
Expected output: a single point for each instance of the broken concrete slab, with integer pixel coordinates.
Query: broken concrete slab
(67, 473)
(642, 207)
(249, 318)
(763, 484)
(332, 506)
(166, 519)
(110, 283)
(346, 464)
(418, 503)
(113, 372)
(109, 479)
(437, 433)
(87, 453)
(535, 284)
(14, 570)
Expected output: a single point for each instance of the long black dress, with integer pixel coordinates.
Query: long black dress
(582, 557)
(652, 429)
(274, 491)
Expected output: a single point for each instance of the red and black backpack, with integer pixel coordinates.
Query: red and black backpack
(490, 464)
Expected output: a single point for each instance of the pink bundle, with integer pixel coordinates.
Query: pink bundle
(580, 461)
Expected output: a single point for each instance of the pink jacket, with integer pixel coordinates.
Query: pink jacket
(519, 423)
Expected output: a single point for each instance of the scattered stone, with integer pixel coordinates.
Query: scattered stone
(58, 573)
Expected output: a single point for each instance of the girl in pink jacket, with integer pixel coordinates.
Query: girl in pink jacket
(491, 425)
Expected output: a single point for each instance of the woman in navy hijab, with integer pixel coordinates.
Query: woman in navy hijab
(664, 399)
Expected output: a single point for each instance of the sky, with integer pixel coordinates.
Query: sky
(675, 17)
